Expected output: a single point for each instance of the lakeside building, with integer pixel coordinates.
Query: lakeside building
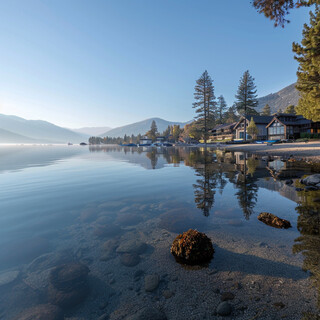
(287, 126)
(261, 123)
(276, 127)
(223, 132)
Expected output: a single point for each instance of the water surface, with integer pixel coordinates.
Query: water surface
(62, 204)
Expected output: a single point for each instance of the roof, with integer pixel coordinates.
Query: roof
(295, 120)
(257, 119)
(225, 126)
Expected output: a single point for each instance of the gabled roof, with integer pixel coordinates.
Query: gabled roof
(294, 121)
(257, 119)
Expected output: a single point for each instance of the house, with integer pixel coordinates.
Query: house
(288, 126)
(261, 123)
(223, 132)
(145, 141)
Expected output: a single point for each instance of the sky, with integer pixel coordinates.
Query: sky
(80, 63)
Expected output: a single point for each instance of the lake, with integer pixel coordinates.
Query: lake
(86, 231)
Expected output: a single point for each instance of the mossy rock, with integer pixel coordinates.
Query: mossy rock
(192, 247)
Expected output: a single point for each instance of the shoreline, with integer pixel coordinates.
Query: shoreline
(309, 151)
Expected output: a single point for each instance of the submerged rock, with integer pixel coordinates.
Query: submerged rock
(274, 221)
(227, 296)
(130, 259)
(311, 180)
(192, 247)
(151, 282)
(68, 284)
(41, 312)
(132, 246)
(224, 309)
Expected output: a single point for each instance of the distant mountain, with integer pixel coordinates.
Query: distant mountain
(18, 130)
(281, 99)
(10, 137)
(140, 127)
(92, 131)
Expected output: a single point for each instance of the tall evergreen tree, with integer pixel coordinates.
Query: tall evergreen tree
(246, 97)
(152, 133)
(308, 56)
(221, 109)
(266, 111)
(205, 104)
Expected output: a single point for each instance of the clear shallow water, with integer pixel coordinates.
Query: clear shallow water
(80, 204)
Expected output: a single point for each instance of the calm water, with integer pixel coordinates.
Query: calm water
(117, 210)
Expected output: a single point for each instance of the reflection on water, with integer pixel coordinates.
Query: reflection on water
(66, 211)
(308, 243)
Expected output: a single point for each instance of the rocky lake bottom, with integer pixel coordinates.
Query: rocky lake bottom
(86, 234)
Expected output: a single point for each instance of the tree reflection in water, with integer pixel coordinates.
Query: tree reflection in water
(204, 188)
(247, 193)
(308, 243)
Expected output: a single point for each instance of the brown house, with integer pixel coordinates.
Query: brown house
(287, 126)
(261, 123)
(223, 132)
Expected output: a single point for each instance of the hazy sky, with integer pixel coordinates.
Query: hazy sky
(112, 62)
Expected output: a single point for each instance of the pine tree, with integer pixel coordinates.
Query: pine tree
(152, 133)
(246, 97)
(166, 132)
(266, 111)
(231, 115)
(290, 109)
(308, 56)
(278, 9)
(205, 104)
(221, 109)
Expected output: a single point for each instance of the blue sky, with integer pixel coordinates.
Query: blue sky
(112, 62)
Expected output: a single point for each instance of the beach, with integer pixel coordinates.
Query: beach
(306, 150)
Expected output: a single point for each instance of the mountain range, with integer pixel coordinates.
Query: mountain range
(141, 127)
(281, 99)
(18, 130)
(92, 131)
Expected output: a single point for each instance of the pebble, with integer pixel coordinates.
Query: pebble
(167, 294)
(224, 309)
(151, 282)
(227, 296)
